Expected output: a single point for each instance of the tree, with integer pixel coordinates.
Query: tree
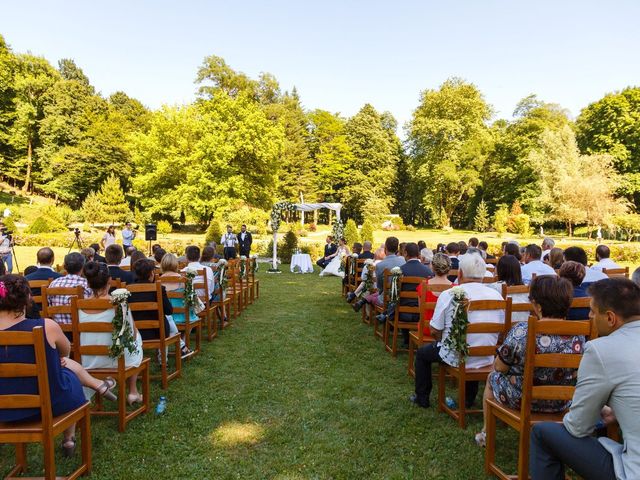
(366, 233)
(612, 126)
(33, 78)
(481, 220)
(571, 188)
(93, 209)
(449, 142)
(111, 197)
(351, 234)
(501, 219)
(214, 70)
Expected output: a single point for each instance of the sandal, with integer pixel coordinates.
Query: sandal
(104, 389)
(131, 399)
(68, 450)
(185, 351)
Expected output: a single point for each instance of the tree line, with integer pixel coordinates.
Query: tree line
(245, 143)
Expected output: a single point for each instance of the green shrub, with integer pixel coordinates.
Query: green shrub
(164, 227)
(9, 223)
(366, 232)
(302, 233)
(254, 218)
(214, 232)
(501, 220)
(481, 220)
(351, 234)
(288, 247)
(315, 250)
(45, 225)
(312, 227)
(520, 224)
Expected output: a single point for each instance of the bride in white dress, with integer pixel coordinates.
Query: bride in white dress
(334, 265)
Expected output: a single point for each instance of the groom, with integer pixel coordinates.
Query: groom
(329, 249)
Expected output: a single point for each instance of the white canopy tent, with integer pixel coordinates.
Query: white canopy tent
(303, 207)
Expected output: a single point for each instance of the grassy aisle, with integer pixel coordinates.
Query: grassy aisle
(297, 389)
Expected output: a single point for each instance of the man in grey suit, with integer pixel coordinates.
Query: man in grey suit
(608, 389)
(391, 260)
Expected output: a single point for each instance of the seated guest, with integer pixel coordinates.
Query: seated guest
(532, 264)
(401, 251)
(412, 268)
(554, 258)
(158, 254)
(391, 259)
(97, 276)
(29, 270)
(155, 247)
(440, 248)
(551, 298)
(513, 248)
(88, 254)
(126, 261)
(44, 271)
(330, 251)
(474, 242)
(96, 256)
(472, 270)
(603, 260)
(136, 256)
(547, 246)
(484, 246)
(607, 390)
(169, 267)
(441, 264)
(366, 251)
(453, 249)
(113, 255)
(509, 273)
(463, 247)
(421, 244)
(426, 255)
(193, 256)
(635, 276)
(73, 264)
(3, 269)
(145, 273)
(575, 272)
(66, 377)
(208, 257)
(356, 248)
(578, 254)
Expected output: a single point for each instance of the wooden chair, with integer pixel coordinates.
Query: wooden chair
(452, 273)
(222, 306)
(523, 419)
(420, 337)
(616, 272)
(49, 311)
(36, 290)
(378, 330)
(126, 268)
(346, 286)
(582, 303)
(508, 291)
(234, 290)
(121, 373)
(202, 288)
(190, 324)
(492, 279)
(491, 261)
(461, 374)
(45, 430)
(254, 283)
(157, 323)
(391, 339)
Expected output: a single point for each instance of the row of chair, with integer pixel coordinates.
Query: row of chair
(242, 290)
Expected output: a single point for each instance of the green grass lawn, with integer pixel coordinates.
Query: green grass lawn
(298, 388)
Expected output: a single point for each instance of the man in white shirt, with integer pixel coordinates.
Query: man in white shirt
(533, 264)
(193, 257)
(471, 272)
(547, 245)
(607, 390)
(603, 261)
(229, 241)
(578, 254)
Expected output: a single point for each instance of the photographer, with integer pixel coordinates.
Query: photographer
(6, 242)
(128, 235)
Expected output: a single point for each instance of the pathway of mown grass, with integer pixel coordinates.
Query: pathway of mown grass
(297, 388)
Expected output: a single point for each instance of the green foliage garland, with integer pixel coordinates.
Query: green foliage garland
(122, 336)
(456, 341)
(277, 211)
(190, 294)
(337, 230)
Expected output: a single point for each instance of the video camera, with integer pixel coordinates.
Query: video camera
(6, 232)
(76, 232)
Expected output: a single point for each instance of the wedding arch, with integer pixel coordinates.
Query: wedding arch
(282, 207)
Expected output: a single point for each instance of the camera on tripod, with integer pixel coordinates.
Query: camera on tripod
(76, 232)
(6, 232)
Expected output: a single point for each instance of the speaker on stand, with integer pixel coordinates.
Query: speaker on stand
(150, 234)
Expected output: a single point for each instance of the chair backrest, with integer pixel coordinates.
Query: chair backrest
(386, 287)
(513, 289)
(489, 327)
(155, 306)
(492, 261)
(359, 268)
(116, 283)
(535, 360)
(426, 306)
(126, 268)
(452, 273)
(616, 272)
(491, 279)
(36, 286)
(411, 294)
(83, 348)
(39, 370)
(177, 294)
(48, 311)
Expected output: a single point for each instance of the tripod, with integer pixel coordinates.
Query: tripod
(76, 240)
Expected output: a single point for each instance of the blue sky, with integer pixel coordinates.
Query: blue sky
(343, 54)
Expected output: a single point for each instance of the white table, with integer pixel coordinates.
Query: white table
(303, 262)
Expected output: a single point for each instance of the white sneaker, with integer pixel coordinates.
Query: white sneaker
(481, 439)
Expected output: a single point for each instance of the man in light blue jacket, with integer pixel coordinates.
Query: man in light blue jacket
(608, 389)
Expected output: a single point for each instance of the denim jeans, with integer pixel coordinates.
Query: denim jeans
(8, 259)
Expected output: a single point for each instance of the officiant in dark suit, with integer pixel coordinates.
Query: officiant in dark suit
(244, 241)
(330, 249)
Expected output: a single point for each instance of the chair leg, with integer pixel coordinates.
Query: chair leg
(411, 355)
(178, 359)
(462, 388)
(394, 345)
(21, 458)
(441, 387)
(490, 452)
(122, 402)
(523, 452)
(164, 367)
(146, 381)
(49, 457)
(85, 431)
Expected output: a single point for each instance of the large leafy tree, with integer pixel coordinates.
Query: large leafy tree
(449, 142)
(8, 63)
(612, 126)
